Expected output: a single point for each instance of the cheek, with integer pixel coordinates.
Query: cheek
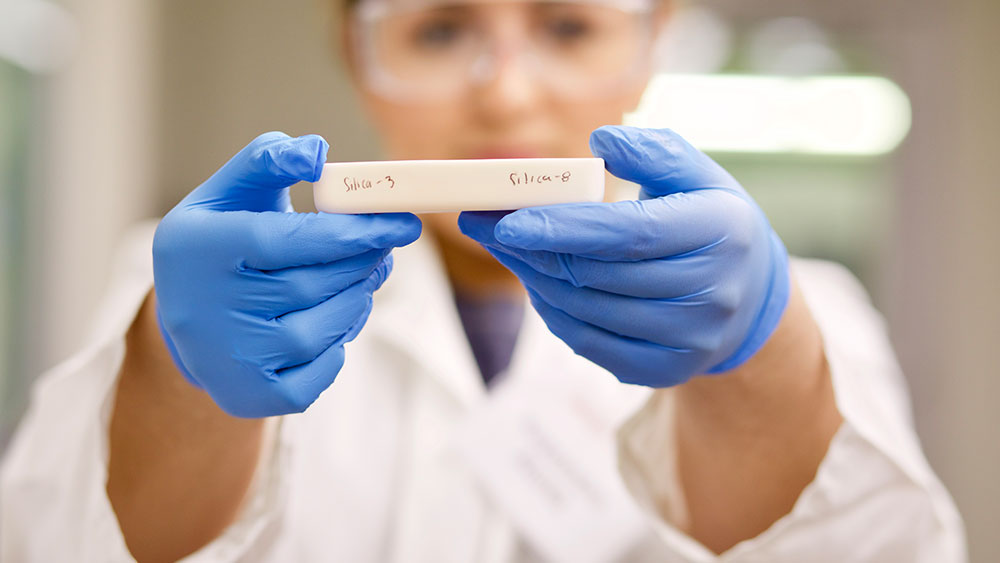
(580, 117)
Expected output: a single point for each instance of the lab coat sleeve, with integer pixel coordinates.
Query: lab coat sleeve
(53, 504)
(874, 497)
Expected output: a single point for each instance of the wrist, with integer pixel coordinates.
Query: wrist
(149, 370)
(168, 343)
(771, 313)
(788, 373)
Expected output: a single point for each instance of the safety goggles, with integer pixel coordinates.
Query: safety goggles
(422, 50)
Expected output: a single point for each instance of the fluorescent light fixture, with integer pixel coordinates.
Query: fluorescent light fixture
(821, 115)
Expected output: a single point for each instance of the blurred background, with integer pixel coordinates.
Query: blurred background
(867, 131)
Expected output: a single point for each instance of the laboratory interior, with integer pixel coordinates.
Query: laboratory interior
(867, 132)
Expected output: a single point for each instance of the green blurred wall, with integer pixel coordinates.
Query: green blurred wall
(15, 110)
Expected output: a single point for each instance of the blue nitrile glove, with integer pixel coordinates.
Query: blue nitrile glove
(255, 301)
(690, 279)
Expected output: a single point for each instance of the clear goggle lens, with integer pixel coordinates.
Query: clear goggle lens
(420, 51)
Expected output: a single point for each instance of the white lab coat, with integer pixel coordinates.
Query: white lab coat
(368, 474)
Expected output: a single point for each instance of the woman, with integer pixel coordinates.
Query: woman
(766, 417)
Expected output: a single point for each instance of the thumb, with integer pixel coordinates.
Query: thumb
(258, 177)
(659, 160)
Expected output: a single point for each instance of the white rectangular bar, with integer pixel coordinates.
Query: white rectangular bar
(429, 186)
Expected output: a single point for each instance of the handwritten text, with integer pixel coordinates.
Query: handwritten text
(523, 178)
(355, 184)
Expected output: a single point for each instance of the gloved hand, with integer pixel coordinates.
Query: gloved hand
(255, 302)
(690, 279)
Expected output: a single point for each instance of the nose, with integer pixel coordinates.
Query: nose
(504, 89)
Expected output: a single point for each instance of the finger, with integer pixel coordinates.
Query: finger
(631, 361)
(257, 178)
(301, 336)
(273, 241)
(667, 322)
(275, 292)
(479, 224)
(659, 160)
(296, 388)
(359, 324)
(656, 278)
(630, 230)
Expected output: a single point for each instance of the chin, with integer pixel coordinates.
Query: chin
(444, 228)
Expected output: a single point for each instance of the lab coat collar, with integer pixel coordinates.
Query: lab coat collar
(415, 313)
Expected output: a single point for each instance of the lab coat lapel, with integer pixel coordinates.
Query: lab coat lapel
(415, 313)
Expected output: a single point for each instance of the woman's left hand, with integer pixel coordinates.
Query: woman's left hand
(689, 279)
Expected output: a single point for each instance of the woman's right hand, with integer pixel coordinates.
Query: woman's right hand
(255, 301)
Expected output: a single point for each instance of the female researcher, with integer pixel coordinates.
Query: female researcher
(767, 418)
